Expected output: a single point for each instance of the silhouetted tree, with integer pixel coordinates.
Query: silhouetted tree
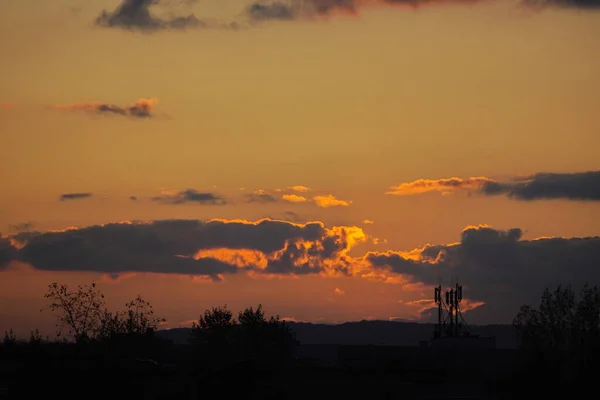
(562, 322)
(214, 336)
(562, 336)
(215, 319)
(10, 339)
(83, 314)
(223, 340)
(269, 340)
(137, 319)
(35, 338)
(79, 312)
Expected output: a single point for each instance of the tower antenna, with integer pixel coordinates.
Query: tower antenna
(450, 319)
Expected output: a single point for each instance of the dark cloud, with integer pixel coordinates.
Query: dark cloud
(262, 10)
(570, 186)
(136, 15)
(190, 196)
(579, 4)
(584, 186)
(295, 9)
(133, 198)
(7, 251)
(74, 196)
(276, 10)
(142, 108)
(498, 267)
(187, 247)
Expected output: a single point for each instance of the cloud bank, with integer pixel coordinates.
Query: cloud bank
(191, 247)
(498, 267)
(582, 186)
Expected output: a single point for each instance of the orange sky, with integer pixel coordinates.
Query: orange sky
(219, 123)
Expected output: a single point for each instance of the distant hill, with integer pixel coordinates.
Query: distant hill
(370, 333)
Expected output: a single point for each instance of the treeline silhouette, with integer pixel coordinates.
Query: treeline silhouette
(99, 353)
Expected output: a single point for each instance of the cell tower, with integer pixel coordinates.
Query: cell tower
(450, 320)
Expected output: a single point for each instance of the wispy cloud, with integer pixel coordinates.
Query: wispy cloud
(260, 196)
(22, 227)
(309, 9)
(296, 9)
(140, 109)
(329, 200)
(445, 186)
(296, 188)
(295, 195)
(294, 198)
(189, 196)
(74, 196)
(339, 292)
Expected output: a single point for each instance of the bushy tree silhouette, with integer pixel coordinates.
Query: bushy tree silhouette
(137, 319)
(269, 341)
(561, 339)
(221, 338)
(35, 338)
(10, 339)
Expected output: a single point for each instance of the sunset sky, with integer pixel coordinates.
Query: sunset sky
(387, 145)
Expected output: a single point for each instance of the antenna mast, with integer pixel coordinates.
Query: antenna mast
(450, 320)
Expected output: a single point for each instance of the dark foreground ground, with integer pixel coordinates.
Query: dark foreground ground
(367, 372)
